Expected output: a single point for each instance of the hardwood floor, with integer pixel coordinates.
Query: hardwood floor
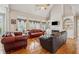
(34, 47)
(68, 48)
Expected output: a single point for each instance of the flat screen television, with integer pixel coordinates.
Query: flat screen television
(55, 23)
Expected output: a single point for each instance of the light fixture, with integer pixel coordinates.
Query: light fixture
(42, 6)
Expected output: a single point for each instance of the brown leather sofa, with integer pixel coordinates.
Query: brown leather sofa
(12, 43)
(35, 33)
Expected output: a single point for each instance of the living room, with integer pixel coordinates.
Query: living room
(35, 25)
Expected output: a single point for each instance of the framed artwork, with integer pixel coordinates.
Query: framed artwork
(13, 21)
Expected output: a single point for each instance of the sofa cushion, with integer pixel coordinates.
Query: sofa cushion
(8, 40)
(7, 34)
(17, 33)
(20, 38)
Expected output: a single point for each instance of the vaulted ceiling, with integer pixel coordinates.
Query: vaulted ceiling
(32, 8)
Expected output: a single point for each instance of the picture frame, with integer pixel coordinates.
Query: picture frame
(13, 21)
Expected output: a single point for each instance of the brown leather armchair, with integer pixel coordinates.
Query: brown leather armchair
(12, 43)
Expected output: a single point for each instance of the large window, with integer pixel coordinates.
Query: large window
(2, 21)
(38, 25)
(34, 25)
(21, 25)
(44, 26)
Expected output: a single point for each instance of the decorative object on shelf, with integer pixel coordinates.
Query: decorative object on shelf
(13, 21)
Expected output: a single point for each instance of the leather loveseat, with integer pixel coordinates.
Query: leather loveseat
(54, 41)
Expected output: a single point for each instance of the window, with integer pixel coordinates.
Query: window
(44, 25)
(2, 24)
(21, 25)
(34, 25)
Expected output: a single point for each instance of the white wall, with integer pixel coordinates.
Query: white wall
(56, 15)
